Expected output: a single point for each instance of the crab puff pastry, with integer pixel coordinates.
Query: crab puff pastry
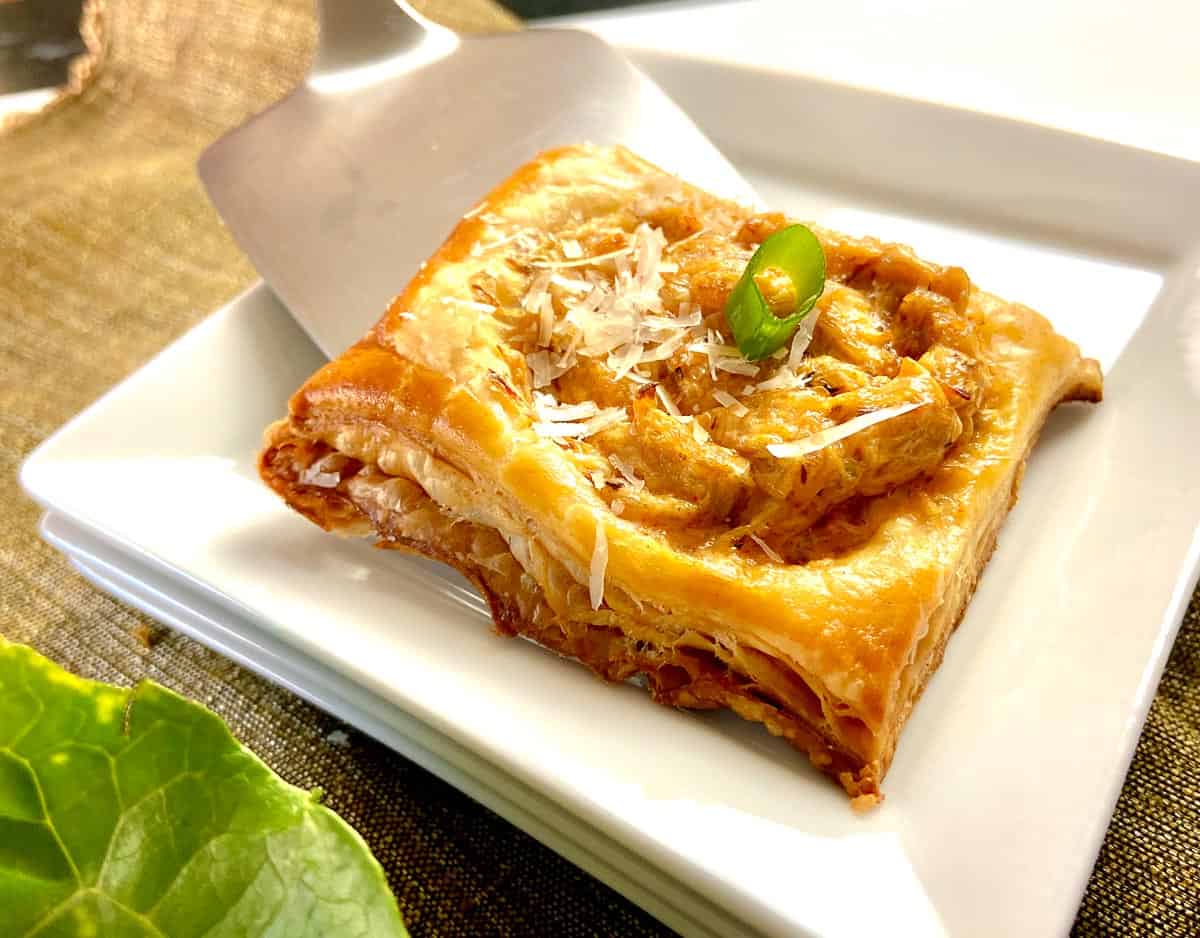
(554, 407)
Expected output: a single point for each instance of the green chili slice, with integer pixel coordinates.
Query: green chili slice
(757, 331)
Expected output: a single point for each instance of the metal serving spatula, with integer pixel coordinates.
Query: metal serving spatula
(338, 192)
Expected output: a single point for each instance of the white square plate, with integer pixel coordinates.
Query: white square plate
(1006, 775)
(192, 612)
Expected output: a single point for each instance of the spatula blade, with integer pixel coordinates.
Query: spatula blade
(340, 191)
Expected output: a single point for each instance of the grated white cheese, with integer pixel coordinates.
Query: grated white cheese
(584, 261)
(609, 416)
(766, 548)
(545, 321)
(558, 430)
(539, 290)
(717, 351)
(597, 478)
(784, 380)
(667, 324)
(664, 350)
(571, 284)
(478, 248)
(617, 506)
(627, 473)
(623, 359)
(818, 441)
(725, 399)
(668, 404)
(598, 567)
(713, 348)
(542, 369)
(472, 304)
(547, 408)
(802, 339)
(621, 321)
(737, 366)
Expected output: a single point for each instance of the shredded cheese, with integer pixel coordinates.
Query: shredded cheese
(478, 247)
(667, 402)
(664, 350)
(608, 417)
(559, 430)
(547, 408)
(802, 339)
(539, 289)
(725, 399)
(715, 350)
(737, 366)
(619, 318)
(571, 284)
(545, 321)
(598, 567)
(583, 261)
(784, 380)
(627, 473)
(623, 359)
(824, 438)
(542, 369)
(766, 548)
(472, 304)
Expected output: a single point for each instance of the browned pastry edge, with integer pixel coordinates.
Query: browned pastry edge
(676, 677)
(682, 677)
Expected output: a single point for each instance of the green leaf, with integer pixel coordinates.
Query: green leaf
(757, 331)
(135, 814)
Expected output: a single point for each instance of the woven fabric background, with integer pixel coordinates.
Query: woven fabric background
(108, 250)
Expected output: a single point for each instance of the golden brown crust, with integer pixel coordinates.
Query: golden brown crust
(426, 434)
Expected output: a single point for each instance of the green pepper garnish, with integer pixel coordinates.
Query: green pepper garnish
(757, 331)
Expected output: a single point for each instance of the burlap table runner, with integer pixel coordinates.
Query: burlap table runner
(108, 249)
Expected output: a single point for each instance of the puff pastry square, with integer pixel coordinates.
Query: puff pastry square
(554, 407)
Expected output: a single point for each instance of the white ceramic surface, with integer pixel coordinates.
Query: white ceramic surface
(1006, 775)
(1111, 69)
(191, 612)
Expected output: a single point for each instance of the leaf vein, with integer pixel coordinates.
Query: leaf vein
(37, 785)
